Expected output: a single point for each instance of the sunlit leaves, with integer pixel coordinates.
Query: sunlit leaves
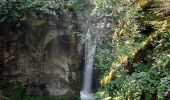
(147, 51)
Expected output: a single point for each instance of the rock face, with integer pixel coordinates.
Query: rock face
(48, 63)
(56, 67)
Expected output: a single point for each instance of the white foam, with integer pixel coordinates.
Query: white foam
(85, 96)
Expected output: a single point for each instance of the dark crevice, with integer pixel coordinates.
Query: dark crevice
(147, 30)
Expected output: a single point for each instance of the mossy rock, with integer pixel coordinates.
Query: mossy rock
(13, 91)
(46, 98)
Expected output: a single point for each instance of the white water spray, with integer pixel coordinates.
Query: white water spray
(90, 47)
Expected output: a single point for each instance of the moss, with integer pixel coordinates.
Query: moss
(15, 91)
(12, 91)
(74, 75)
(36, 21)
(46, 98)
(154, 25)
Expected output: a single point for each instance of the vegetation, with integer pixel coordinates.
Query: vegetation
(16, 91)
(140, 67)
(133, 60)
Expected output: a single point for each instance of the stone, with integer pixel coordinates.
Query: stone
(48, 61)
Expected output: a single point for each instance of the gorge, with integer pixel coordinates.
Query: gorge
(84, 50)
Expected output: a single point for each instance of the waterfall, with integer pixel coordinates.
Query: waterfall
(90, 47)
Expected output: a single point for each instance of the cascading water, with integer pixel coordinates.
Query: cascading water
(90, 47)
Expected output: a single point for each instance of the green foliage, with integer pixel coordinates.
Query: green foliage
(78, 4)
(15, 91)
(141, 42)
(12, 91)
(46, 98)
(16, 11)
(104, 55)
